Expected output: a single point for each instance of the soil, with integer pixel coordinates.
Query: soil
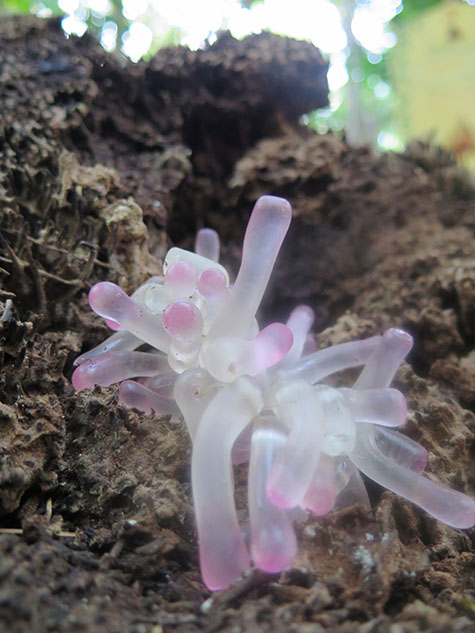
(103, 165)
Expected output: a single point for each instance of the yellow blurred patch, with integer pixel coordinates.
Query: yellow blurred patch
(433, 68)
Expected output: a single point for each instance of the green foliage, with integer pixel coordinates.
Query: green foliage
(412, 8)
(16, 6)
(248, 4)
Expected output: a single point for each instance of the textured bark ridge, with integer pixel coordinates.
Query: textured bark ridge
(103, 164)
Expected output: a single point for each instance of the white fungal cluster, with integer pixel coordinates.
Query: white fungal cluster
(259, 395)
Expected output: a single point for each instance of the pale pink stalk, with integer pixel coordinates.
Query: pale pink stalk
(264, 350)
(207, 244)
(242, 446)
(116, 366)
(324, 362)
(162, 384)
(193, 391)
(153, 285)
(385, 360)
(386, 407)
(321, 493)
(401, 449)
(273, 542)
(111, 302)
(349, 484)
(134, 395)
(119, 342)
(223, 554)
(310, 345)
(300, 410)
(265, 232)
(299, 323)
(227, 358)
(340, 430)
(450, 506)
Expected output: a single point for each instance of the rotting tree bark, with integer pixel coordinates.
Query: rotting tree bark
(102, 164)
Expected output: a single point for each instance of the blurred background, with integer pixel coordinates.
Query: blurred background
(398, 70)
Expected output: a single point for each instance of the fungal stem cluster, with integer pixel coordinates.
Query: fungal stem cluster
(259, 395)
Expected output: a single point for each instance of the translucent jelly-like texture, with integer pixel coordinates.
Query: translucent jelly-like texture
(183, 321)
(116, 366)
(299, 323)
(256, 394)
(321, 494)
(212, 283)
(265, 233)
(386, 407)
(299, 409)
(134, 395)
(118, 342)
(223, 554)
(180, 279)
(207, 244)
(111, 302)
(328, 361)
(449, 506)
(273, 542)
(340, 429)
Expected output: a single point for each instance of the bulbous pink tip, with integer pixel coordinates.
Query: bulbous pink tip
(272, 562)
(280, 485)
(420, 465)
(112, 324)
(212, 283)
(80, 377)
(303, 314)
(265, 350)
(319, 500)
(182, 321)
(107, 299)
(131, 396)
(276, 339)
(207, 244)
(181, 276)
(279, 498)
(398, 339)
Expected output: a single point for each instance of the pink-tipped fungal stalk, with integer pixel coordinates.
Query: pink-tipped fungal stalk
(321, 494)
(273, 542)
(299, 408)
(137, 396)
(111, 302)
(115, 367)
(223, 554)
(299, 323)
(450, 506)
(265, 233)
(207, 244)
(256, 394)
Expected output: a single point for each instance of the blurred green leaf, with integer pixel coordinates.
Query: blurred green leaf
(412, 8)
(16, 6)
(248, 4)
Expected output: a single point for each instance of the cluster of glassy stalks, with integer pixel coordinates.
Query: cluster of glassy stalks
(259, 395)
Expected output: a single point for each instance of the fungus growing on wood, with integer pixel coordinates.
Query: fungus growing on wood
(255, 395)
